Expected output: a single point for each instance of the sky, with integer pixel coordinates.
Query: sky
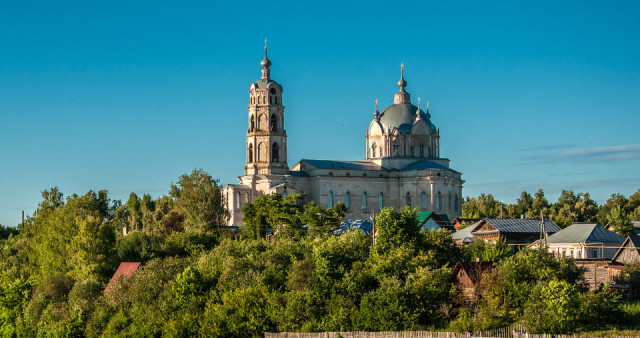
(129, 95)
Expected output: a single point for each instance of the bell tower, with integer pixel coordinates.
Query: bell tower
(266, 136)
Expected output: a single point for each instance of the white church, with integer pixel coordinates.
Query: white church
(402, 165)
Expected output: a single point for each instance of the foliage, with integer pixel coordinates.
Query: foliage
(197, 197)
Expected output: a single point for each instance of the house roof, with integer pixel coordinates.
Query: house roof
(125, 269)
(473, 269)
(521, 225)
(630, 241)
(465, 235)
(585, 233)
(441, 219)
(365, 225)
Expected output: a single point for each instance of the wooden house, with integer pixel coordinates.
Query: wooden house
(467, 276)
(629, 252)
(518, 232)
(431, 221)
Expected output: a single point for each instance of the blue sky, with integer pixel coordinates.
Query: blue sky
(126, 96)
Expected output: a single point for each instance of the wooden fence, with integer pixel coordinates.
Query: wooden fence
(505, 332)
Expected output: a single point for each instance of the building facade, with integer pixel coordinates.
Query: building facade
(402, 164)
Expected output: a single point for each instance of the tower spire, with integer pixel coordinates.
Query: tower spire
(402, 96)
(376, 113)
(265, 63)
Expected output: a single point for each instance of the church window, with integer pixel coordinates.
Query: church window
(456, 202)
(276, 100)
(423, 201)
(449, 201)
(364, 200)
(409, 199)
(381, 152)
(331, 173)
(373, 150)
(411, 151)
(274, 123)
(347, 199)
(237, 200)
(273, 91)
(252, 123)
(380, 201)
(262, 152)
(364, 174)
(330, 202)
(271, 99)
(274, 152)
(421, 149)
(250, 153)
(348, 174)
(438, 201)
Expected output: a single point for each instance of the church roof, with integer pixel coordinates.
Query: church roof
(362, 165)
(401, 116)
(585, 233)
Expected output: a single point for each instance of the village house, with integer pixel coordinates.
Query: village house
(467, 277)
(584, 240)
(518, 232)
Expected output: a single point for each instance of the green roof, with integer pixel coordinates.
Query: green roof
(422, 216)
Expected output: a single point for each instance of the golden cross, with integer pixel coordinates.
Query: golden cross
(265, 42)
(376, 104)
(427, 105)
(401, 66)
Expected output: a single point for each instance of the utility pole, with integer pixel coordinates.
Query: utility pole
(543, 233)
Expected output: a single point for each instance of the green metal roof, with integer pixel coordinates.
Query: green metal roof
(585, 233)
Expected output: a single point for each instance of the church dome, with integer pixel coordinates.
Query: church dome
(402, 116)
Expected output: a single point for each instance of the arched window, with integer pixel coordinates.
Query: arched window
(380, 201)
(330, 202)
(252, 124)
(408, 198)
(456, 203)
(237, 200)
(381, 154)
(364, 200)
(421, 149)
(449, 201)
(438, 201)
(262, 152)
(373, 150)
(270, 99)
(250, 153)
(274, 123)
(274, 152)
(276, 100)
(423, 201)
(347, 199)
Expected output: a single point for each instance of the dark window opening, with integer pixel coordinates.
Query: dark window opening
(274, 152)
(274, 123)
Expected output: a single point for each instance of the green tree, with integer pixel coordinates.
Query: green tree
(539, 205)
(553, 308)
(397, 228)
(198, 198)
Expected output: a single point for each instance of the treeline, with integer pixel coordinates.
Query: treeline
(570, 208)
(197, 279)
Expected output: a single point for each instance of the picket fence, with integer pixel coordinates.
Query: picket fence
(505, 332)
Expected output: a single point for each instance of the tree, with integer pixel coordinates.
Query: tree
(198, 198)
(321, 220)
(539, 205)
(524, 203)
(553, 308)
(397, 228)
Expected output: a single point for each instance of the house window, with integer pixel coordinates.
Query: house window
(595, 253)
(409, 199)
(364, 200)
(347, 199)
(579, 253)
(463, 274)
(571, 253)
(380, 201)
(423, 200)
(330, 202)
(438, 201)
(274, 152)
